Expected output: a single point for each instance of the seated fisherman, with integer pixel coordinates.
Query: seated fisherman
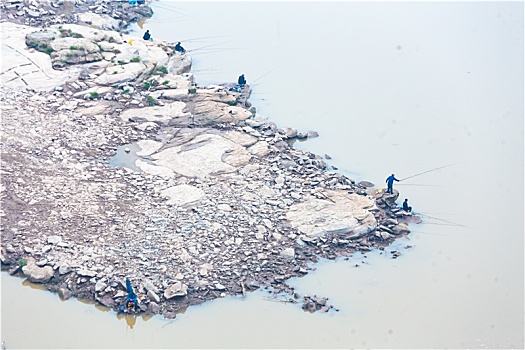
(405, 206)
(147, 36)
(241, 81)
(179, 48)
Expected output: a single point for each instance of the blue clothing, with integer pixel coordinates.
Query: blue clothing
(242, 80)
(390, 182)
(406, 207)
(131, 300)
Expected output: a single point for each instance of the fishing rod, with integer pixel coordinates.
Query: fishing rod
(203, 47)
(418, 185)
(261, 77)
(428, 171)
(203, 37)
(432, 217)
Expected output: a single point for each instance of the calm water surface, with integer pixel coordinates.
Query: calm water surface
(400, 87)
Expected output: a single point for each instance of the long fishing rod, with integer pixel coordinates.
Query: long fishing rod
(428, 171)
(203, 47)
(432, 217)
(418, 185)
(261, 77)
(203, 37)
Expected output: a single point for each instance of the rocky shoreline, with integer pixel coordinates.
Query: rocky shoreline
(222, 204)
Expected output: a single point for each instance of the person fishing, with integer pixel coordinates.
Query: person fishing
(241, 81)
(179, 48)
(406, 207)
(147, 36)
(390, 182)
(131, 300)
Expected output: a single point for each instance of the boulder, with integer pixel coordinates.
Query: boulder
(176, 290)
(153, 296)
(179, 64)
(288, 253)
(64, 293)
(100, 286)
(41, 39)
(37, 274)
(400, 229)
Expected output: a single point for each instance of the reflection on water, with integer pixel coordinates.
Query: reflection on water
(126, 156)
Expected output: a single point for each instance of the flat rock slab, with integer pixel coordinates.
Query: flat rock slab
(202, 156)
(159, 114)
(24, 67)
(342, 213)
(183, 194)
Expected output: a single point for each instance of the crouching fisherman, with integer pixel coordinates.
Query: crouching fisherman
(179, 48)
(132, 300)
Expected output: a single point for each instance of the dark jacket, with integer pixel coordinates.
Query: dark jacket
(390, 180)
(146, 36)
(241, 80)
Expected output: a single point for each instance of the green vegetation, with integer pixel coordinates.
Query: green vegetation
(135, 59)
(121, 62)
(192, 90)
(165, 82)
(69, 33)
(48, 50)
(94, 95)
(22, 262)
(72, 47)
(151, 101)
(163, 69)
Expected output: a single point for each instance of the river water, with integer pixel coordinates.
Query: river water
(401, 87)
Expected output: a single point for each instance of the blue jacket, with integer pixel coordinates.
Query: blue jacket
(390, 180)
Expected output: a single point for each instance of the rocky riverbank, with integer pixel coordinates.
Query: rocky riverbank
(222, 203)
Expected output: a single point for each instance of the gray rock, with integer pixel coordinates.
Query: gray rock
(37, 274)
(288, 253)
(176, 290)
(64, 293)
(100, 286)
(64, 268)
(153, 296)
(153, 307)
(86, 273)
(54, 239)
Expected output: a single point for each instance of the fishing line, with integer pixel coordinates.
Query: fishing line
(428, 171)
(432, 217)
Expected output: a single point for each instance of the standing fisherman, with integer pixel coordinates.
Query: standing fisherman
(390, 182)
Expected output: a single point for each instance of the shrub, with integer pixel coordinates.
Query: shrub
(163, 69)
(135, 59)
(147, 85)
(72, 47)
(94, 95)
(151, 101)
(165, 82)
(192, 90)
(48, 50)
(22, 262)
